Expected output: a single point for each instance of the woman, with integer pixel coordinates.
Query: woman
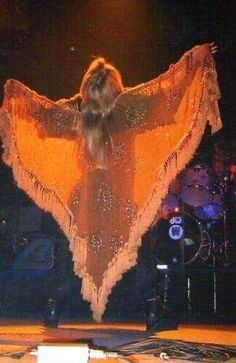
(103, 168)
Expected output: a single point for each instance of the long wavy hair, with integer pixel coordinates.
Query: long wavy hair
(99, 89)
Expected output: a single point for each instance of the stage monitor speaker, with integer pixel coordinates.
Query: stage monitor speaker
(38, 255)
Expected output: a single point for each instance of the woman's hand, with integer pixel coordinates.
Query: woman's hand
(213, 48)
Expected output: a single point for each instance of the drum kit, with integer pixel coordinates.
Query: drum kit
(201, 197)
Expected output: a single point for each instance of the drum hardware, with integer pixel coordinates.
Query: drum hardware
(224, 248)
(203, 208)
(206, 199)
(159, 317)
(164, 270)
(189, 295)
(214, 276)
(196, 186)
(209, 194)
(182, 241)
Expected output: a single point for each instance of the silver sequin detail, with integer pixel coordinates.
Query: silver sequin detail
(105, 197)
(116, 242)
(129, 210)
(96, 242)
(119, 154)
(134, 117)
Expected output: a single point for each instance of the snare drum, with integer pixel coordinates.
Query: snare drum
(196, 186)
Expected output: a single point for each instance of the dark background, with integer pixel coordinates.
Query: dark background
(48, 44)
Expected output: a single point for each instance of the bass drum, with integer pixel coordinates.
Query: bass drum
(180, 239)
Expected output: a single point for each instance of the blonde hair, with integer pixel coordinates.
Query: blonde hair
(100, 86)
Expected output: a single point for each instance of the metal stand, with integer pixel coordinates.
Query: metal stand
(214, 277)
(189, 298)
(224, 251)
(225, 244)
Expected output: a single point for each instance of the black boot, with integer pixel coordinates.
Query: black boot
(159, 317)
(51, 314)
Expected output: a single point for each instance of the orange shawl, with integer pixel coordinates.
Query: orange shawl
(155, 129)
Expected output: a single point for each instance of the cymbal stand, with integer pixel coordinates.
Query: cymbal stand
(224, 249)
(182, 249)
(214, 276)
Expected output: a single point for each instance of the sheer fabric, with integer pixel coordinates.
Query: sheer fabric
(155, 129)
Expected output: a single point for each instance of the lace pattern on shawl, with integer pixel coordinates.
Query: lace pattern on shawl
(127, 211)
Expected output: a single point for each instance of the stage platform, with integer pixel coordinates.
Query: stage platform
(19, 338)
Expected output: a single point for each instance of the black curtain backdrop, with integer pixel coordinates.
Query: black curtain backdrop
(48, 44)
